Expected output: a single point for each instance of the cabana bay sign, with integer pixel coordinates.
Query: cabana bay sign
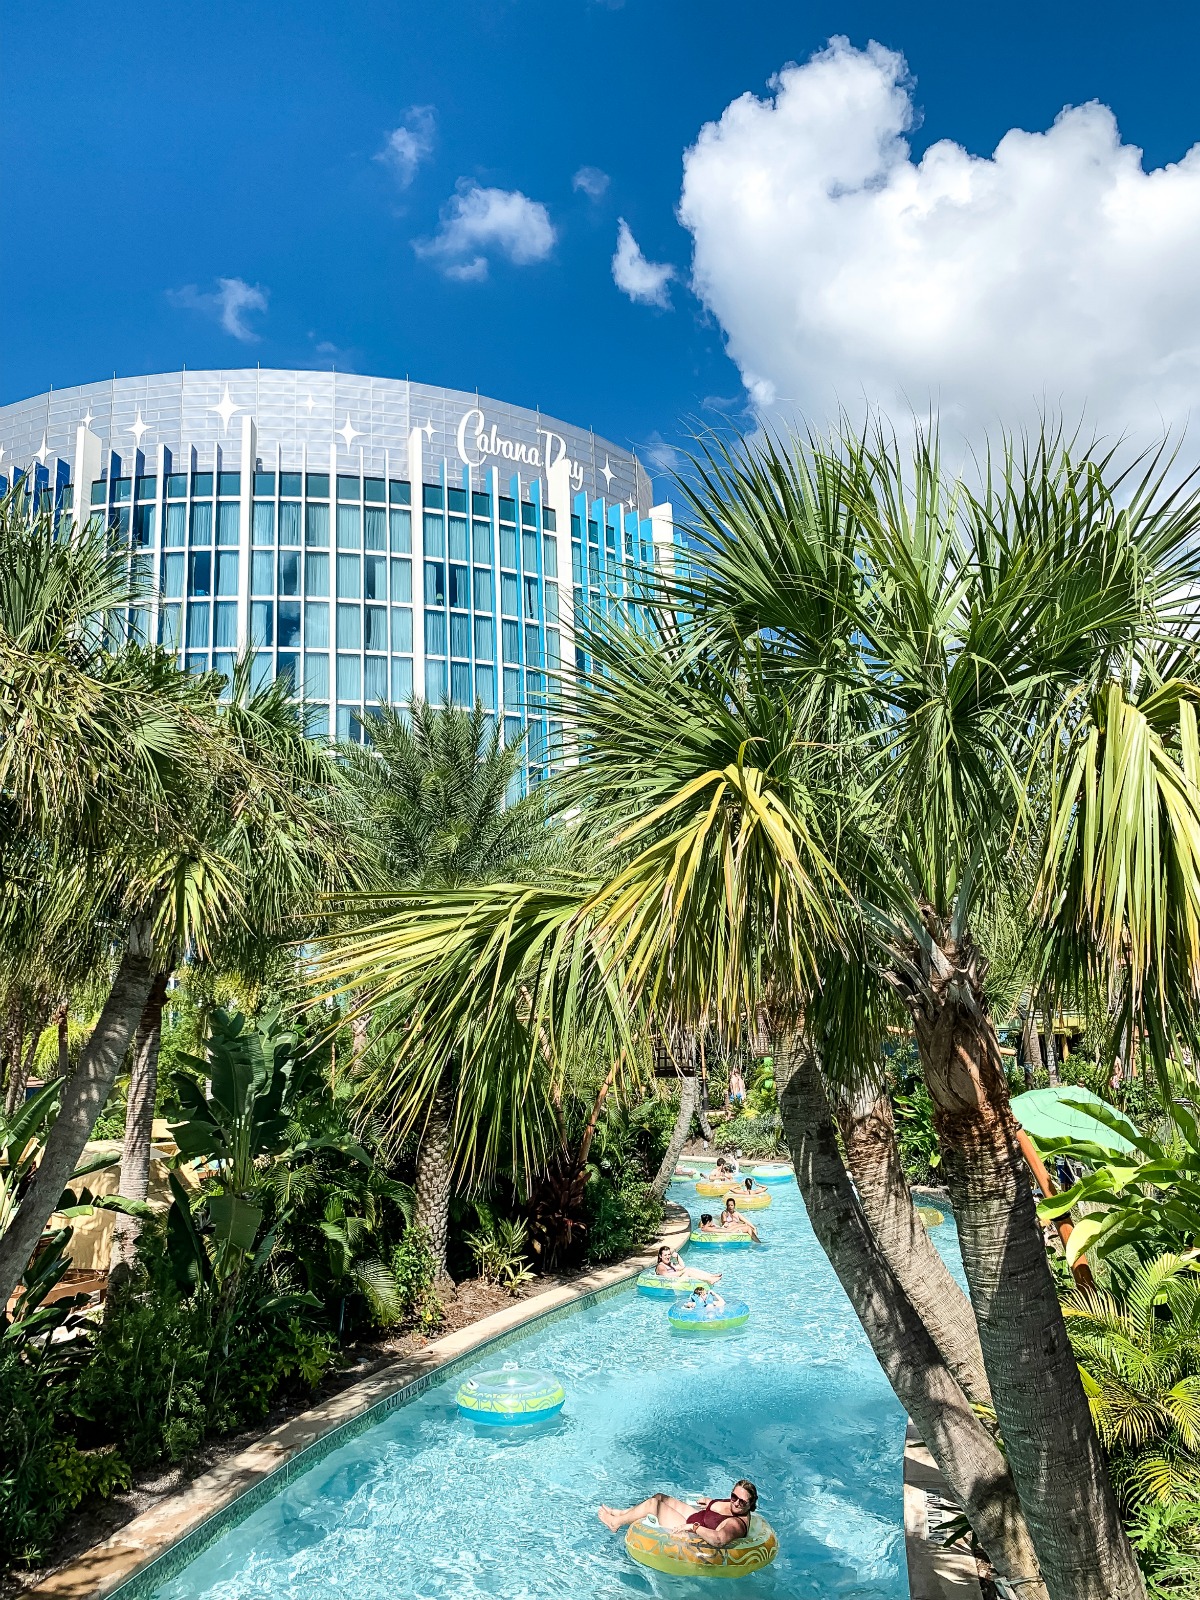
(477, 441)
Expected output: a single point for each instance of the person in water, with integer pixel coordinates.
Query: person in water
(669, 1265)
(714, 1522)
(702, 1296)
(753, 1188)
(731, 1219)
(707, 1225)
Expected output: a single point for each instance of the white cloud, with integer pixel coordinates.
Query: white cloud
(642, 280)
(478, 223)
(229, 303)
(409, 144)
(1055, 273)
(591, 182)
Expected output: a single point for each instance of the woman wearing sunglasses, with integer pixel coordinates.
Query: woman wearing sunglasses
(715, 1522)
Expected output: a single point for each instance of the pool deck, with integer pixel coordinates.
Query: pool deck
(935, 1571)
(105, 1567)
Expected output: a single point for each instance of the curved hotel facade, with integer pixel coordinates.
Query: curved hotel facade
(370, 538)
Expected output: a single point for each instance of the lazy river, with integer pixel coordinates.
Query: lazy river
(425, 1506)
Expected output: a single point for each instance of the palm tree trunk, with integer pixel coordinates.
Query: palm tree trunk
(22, 1067)
(1031, 1047)
(968, 1456)
(139, 1129)
(1040, 1405)
(679, 1133)
(433, 1182)
(868, 1132)
(83, 1099)
(1048, 1010)
(61, 1022)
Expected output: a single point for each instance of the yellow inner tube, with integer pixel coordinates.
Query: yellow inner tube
(749, 1202)
(679, 1552)
(711, 1187)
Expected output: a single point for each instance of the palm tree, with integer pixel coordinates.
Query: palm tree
(433, 793)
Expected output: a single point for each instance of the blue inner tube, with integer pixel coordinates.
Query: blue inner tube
(708, 1319)
(510, 1397)
(722, 1239)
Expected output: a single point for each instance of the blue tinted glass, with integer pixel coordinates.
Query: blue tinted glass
(349, 627)
(287, 625)
(528, 515)
(460, 587)
(199, 572)
(512, 690)
(374, 528)
(172, 577)
(529, 551)
(402, 630)
(460, 636)
(318, 486)
(289, 572)
(139, 630)
(202, 522)
(225, 665)
(551, 602)
(349, 577)
(481, 505)
(553, 649)
(435, 535)
(168, 626)
(375, 628)
(229, 483)
(508, 547)
(177, 486)
(262, 572)
(174, 526)
(401, 578)
(510, 639)
(456, 499)
(316, 623)
(147, 488)
(509, 595)
(289, 484)
(531, 598)
(264, 522)
(316, 722)
(481, 542)
(197, 664)
(373, 489)
(435, 584)
(435, 682)
(348, 725)
(287, 667)
(533, 645)
(460, 683)
(549, 518)
(402, 682)
(435, 633)
(198, 622)
(317, 527)
(347, 486)
(576, 563)
(483, 589)
(508, 509)
(316, 573)
(289, 522)
(122, 489)
(349, 527)
(262, 622)
(374, 577)
(485, 686)
(375, 678)
(550, 557)
(227, 572)
(260, 670)
(485, 638)
(400, 494)
(202, 483)
(99, 489)
(458, 540)
(225, 626)
(349, 677)
(316, 676)
(401, 532)
(431, 495)
(122, 523)
(264, 483)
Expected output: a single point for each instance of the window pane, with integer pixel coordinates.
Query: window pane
(431, 495)
(375, 678)
(512, 690)
(481, 542)
(399, 493)
(289, 522)
(316, 573)
(373, 489)
(168, 626)
(202, 483)
(551, 602)
(262, 622)
(401, 532)
(143, 525)
(529, 546)
(347, 486)
(533, 645)
(316, 676)
(348, 726)
(264, 483)
(289, 484)
(374, 578)
(435, 682)
(401, 680)
(456, 499)
(225, 626)
(172, 577)
(349, 627)
(318, 486)
(197, 625)
(289, 572)
(511, 641)
(176, 485)
(264, 522)
(460, 587)
(316, 527)
(202, 523)
(375, 528)
(508, 547)
(288, 624)
(485, 638)
(435, 535)
(225, 665)
(349, 527)
(550, 557)
(316, 723)
(262, 572)
(531, 597)
(549, 518)
(435, 584)
(509, 595)
(401, 578)
(227, 572)
(528, 515)
(375, 628)
(122, 489)
(260, 670)
(229, 483)
(458, 540)
(485, 686)
(349, 678)
(435, 633)
(460, 636)
(199, 572)
(316, 623)
(349, 577)
(174, 524)
(196, 664)
(483, 589)
(460, 683)
(288, 667)
(508, 509)
(553, 649)
(402, 635)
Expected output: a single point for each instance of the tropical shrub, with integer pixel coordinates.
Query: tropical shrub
(758, 1137)
(920, 1151)
(498, 1249)
(414, 1271)
(619, 1216)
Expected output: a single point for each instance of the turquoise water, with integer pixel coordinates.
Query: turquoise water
(426, 1507)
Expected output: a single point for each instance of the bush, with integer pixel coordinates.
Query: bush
(498, 1250)
(619, 1217)
(413, 1269)
(757, 1137)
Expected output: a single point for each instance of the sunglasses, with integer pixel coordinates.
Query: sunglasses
(739, 1499)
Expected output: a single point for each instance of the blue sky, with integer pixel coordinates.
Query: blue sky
(150, 154)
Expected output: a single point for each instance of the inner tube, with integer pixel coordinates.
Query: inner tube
(773, 1172)
(666, 1288)
(707, 1319)
(722, 1239)
(677, 1551)
(714, 1187)
(510, 1397)
(748, 1202)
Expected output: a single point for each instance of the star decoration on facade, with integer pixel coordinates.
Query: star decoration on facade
(309, 404)
(88, 419)
(629, 502)
(427, 430)
(139, 428)
(348, 433)
(226, 408)
(43, 452)
(607, 473)
(1, 452)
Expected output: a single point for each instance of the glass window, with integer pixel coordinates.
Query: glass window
(458, 539)
(227, 572)
(402, 685)
(288, 668)
(287, 624)
(316, 721)
(349, 577)
(347, 486)
(316, 623)
(481, 505)
(202, 483)
(553, 649)
(289, 572)
(456, 500)
(576, 563)
(593, 532)
(264, 483)
(348, 726)
(374, 577)
(508, 509)
(533, 645)
(550, 557)
(531, 598)
(202, 522)
(460, 587)
(483, 589)
(172, 577)
(122, 490)
(549, 519)
(485, 638)
(512, 690)
(401, 578)
(318, 486)
(121, 523)
(511, 641)
(435, 682)
(373, 490)
(262, 572)
(485, 686)
(176, 485)
(435, 583)
(229, 483)
(316, 573)
(402, 638)
(316, 675)
(225, 665)
(143, 524)
(529, 552)
(197, 664)
(375, 628)
(316, 527)
(401, 533)
(509, 595)
(400, 493)
(199, 572)
(225, 625)
(198, 623)
(289, 484)
(435, 535)
(174, 524)
(375, 678)
(147, 488)
(431, 495)
(349, 677)
(460, 683)
(374, 528)
(262, 622)
(349, 528)
(263, 523)
(435, 633)
(289, 522)
(349, 627)
(481, 542)
(98, 491)
(460, 636)
(168, 626)
(508, 547)
(229, 522)
(551, 602)
(528, 515)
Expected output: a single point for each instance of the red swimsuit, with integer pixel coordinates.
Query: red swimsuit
(708, 1518)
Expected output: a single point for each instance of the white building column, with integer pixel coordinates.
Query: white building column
(246, 535)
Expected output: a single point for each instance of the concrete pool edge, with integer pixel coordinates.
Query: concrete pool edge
(155, 1546)
(935, 1571)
